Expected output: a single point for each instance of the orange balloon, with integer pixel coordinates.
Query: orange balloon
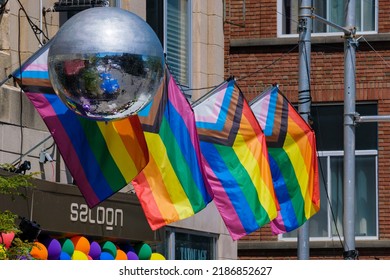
(120, 255)
(81, 244)
(39, 251)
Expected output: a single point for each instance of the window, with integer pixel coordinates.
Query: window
(328, 222)
(333, 10)
(183, 244)
(171, 20)
(68, 8)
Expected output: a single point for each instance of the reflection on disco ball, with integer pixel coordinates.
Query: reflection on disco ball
(106, 63)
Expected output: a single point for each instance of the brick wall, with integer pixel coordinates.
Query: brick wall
(257, 67)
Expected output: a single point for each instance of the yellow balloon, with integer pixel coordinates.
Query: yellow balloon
(79, 256)
(157, 257)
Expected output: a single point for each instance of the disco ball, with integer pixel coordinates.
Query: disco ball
(106, 63)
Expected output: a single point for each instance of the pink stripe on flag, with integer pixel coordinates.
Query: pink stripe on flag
(260, 110)
(37, 67)
(176, 97)
(277, 225)
(62, 140)
(211, 117)
(224, 205)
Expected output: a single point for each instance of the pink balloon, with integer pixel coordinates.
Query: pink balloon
(6, 238)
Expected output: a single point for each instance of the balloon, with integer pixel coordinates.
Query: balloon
(67, 246)
(110, 70)
(143, 251)
(39, 251)
(65, 256)
(120, 255)
(95, 250)
(79, 255)
(81, 244)
(157, 256)
(53, 248)
(106, 256)
(132, 256)
(109, 247)
(6, 238)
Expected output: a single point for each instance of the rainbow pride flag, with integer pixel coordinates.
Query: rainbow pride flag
(171, 187)
(101, 157)
(236, 160)
(293, 159)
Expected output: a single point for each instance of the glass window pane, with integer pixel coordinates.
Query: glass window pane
(290, 16)
(337, 174)
(358, 15)
(365, 195)
(368, 20)
(320, 9)
(193, 247)
(336, 9)
(177, 40)
(333, 11)
(328, 126)
(365, 172)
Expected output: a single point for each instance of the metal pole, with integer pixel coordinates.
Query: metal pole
(305, 25)
(350, 44)
(364, 119)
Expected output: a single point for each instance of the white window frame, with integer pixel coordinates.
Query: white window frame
(280, 14)
(188, 43)
(330, 237)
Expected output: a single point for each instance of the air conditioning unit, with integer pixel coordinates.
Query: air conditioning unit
(78, 5)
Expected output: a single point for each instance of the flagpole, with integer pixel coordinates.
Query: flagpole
(350, 45)
(304, 99)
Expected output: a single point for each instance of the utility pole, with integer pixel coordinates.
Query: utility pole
(304, 99)
(350, 45)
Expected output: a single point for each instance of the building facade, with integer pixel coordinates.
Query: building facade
(191, 33)
(262, 48)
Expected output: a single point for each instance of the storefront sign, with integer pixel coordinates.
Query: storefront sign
(60, 208)
(109, 217)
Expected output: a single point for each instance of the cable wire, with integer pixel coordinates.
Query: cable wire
(37, 31)
(375, 51)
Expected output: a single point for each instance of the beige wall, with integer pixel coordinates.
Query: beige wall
(208, 45)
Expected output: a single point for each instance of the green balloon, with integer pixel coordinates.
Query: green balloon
(67, 246)
(110, 248)
(143, 251)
